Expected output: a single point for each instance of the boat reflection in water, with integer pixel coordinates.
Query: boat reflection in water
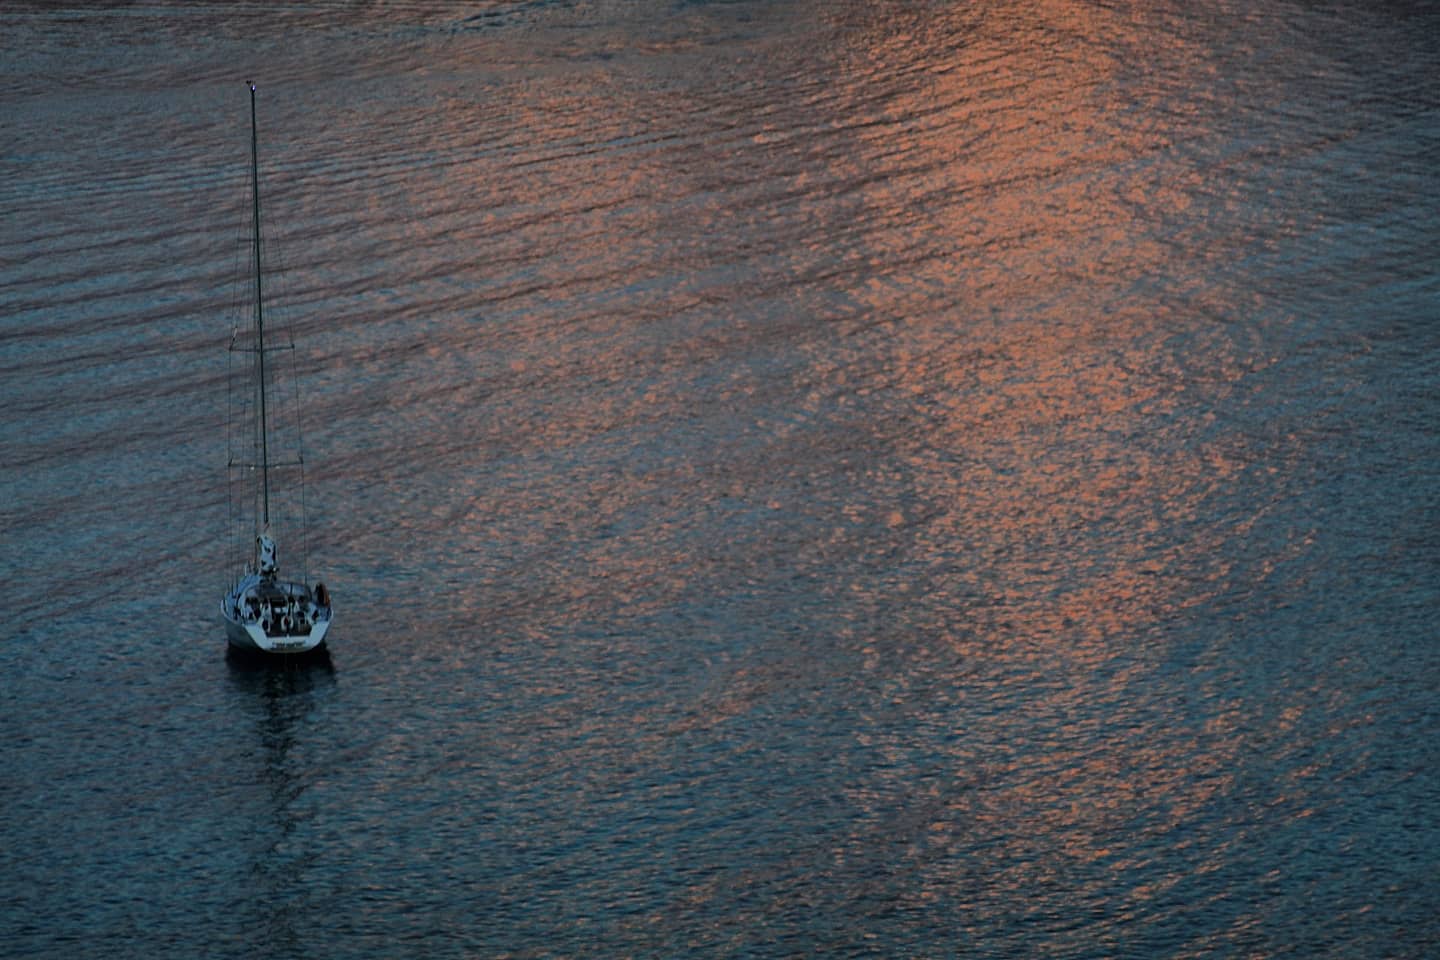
(277, 698)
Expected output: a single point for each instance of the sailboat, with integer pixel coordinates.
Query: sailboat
(263, 611)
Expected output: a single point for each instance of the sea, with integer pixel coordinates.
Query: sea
(796, 478)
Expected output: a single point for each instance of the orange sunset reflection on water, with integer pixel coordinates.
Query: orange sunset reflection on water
(931, 324)
(1055, 455)
(1035, 381)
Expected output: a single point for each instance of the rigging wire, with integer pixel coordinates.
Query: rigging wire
(289, 508)
(236, 512)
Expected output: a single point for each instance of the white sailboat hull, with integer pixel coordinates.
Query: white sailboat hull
(274, 616)
(251, 637)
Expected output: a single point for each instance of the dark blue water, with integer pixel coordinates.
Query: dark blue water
(899, 479)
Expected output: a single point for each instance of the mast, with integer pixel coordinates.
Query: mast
(259, 311)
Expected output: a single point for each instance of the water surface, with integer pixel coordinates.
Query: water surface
(857, 479)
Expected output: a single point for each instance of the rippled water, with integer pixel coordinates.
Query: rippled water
(847, 478)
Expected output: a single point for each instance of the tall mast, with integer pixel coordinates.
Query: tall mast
(259, 310)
